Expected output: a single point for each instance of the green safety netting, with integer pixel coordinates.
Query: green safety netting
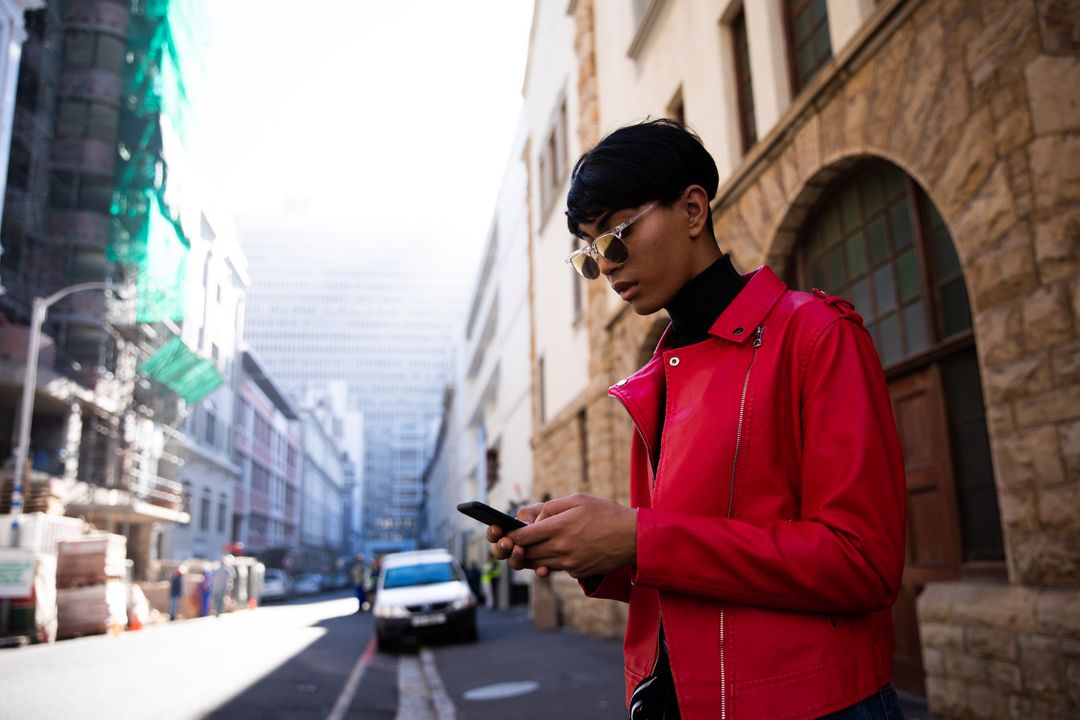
(181, 370)
(165, 43)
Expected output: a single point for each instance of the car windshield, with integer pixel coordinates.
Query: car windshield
(423, 574)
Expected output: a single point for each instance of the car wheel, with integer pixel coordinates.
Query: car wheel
(385, 644)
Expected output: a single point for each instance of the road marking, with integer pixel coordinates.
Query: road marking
(421, 693)
(346, 697)
(444, 708)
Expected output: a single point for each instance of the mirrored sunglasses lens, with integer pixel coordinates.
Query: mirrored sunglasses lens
(612, 248)
(585, 266)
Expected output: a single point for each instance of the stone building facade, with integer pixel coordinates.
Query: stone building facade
(951, 127)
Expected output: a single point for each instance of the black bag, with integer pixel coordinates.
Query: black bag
(654, 697)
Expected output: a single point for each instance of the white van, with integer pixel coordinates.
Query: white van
(423, 592)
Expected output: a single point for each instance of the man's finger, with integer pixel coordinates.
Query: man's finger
(494, 532)
(537, 532)
(558, 505)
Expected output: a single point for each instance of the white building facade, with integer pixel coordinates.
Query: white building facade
(201, 447)
(323, 500)
(488, 427)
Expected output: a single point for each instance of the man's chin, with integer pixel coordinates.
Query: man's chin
(643, 306)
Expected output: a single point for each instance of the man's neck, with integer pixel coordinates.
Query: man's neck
(696, 306)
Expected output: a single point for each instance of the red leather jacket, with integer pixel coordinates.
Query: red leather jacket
(770, 528)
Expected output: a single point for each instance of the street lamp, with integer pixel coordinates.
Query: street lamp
(26, 408)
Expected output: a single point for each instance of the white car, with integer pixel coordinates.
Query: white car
(276, 585)
(423, 592)
(309, 584)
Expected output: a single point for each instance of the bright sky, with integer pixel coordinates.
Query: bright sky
(395, 116)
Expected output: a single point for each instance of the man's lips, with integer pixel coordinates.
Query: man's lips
(625, 290)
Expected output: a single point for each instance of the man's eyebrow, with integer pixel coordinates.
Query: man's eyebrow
(602, 221)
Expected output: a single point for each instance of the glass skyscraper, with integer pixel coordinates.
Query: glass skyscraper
(326, 305)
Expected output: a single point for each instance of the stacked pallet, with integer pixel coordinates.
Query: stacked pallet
(91, 595)
(44, 495)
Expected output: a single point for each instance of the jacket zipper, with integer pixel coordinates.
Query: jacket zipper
(758, 333)
(652, 477)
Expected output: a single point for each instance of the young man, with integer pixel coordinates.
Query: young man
(764, 544)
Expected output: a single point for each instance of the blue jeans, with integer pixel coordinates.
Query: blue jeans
(882, 705)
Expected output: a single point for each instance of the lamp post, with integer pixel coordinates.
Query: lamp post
(26, 408)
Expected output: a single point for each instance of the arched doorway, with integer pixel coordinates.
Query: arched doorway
(875, 238)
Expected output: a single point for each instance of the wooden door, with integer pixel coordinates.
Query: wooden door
(933, 531)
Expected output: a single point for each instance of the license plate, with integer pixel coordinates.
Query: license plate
(424, 620)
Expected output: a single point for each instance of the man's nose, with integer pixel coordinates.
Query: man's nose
(606, 266)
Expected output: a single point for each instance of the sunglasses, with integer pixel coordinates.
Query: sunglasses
(609, 246)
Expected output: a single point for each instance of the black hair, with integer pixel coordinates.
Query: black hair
(655, 160)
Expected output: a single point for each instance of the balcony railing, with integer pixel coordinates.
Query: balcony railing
(79, 226)
(96, 15)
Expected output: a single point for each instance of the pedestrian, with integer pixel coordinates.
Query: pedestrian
(489, 579)
(205, 592)
(358, 580)
(176, 590)
(764, 543)
(221, 582)
(373, 581)
(472, 575)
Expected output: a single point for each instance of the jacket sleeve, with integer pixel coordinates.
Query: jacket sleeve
(613, 586)
(845, 552)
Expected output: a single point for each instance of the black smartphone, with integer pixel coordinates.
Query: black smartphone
(489, 515)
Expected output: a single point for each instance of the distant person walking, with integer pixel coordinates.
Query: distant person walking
(176, 590)
(489, 579)
(205, 592)
(359, 578)
(221, 582)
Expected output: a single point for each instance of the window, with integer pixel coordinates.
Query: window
(81, 118)
(221, 514)
(211, 429)
(204, 512)
(77, 192)
(743, 87)
(553, 162)
(18, 165)
(89, 49)
(879, 241)
(809, 46)
(492, 467)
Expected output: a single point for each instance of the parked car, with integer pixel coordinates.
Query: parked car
(422, 592)
(308, 584)
(277, 585)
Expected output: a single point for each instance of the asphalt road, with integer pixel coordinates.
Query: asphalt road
(313, 659)
(316, 660)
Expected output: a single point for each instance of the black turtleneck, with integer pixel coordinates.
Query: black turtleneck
(696, 306)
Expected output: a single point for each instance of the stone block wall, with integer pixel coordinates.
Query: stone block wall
(1001, 652)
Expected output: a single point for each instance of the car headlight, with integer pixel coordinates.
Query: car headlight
(391, 611)
(461, 603)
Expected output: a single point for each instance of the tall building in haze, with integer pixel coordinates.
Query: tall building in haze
(326, 306)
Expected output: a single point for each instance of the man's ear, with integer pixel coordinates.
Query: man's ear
(696, 202)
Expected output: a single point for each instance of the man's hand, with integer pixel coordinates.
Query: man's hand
(504, 546)
(581, 534)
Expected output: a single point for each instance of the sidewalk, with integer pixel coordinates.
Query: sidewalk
(576, 676)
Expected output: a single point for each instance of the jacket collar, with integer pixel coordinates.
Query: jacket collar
(737, 322)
